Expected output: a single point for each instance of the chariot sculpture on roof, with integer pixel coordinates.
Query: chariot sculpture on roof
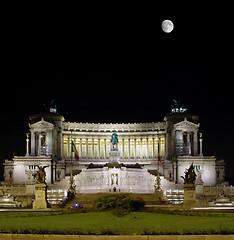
(178, 107)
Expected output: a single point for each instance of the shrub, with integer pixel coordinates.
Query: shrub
(119, 212)
(119, 204)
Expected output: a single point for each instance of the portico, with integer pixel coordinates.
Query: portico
(130, 147)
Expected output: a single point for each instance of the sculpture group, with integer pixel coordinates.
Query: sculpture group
(190, 175)
(40, 175)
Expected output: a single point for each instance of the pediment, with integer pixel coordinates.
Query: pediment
(42, 125)
(186, 124)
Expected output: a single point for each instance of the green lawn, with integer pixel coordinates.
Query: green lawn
(101, 222)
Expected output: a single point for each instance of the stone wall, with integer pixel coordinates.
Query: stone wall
(21, 193)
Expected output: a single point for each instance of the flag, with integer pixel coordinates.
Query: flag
(159, 159)
(75, 151)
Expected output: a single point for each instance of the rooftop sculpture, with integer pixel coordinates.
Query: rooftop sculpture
(178, 107)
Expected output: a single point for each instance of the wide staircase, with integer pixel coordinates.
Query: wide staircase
(173, 192)
(63, 184)
(57, 193)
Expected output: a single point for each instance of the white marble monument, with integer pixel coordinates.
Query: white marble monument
(175, 139)
(114, 176)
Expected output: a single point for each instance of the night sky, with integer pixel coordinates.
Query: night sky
(121, 67)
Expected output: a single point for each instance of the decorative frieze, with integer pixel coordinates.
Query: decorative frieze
(118, 127)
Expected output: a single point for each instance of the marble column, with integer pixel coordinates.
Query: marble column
(68, 147)
(195, 151)
(99, 149)
(201, 153)
(159, 146)
(39, 144)
(147, 148)
(36, 143)
(153, 147)
(128, 148)
(62, 150)
(80, 148)
(141, 155)
(33, 143)
(135, 147)
(122, 148)
(87, 148)
(104, 148)
(188, 143)
(92, 148)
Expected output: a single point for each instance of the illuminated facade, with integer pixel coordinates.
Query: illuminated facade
(176, 140)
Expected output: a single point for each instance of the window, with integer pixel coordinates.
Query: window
(31, 167)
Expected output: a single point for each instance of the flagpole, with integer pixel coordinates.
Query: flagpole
(158, 180)
(158, 153)
(71, 187)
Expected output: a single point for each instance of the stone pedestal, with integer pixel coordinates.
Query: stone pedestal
(199, 189)
(115, 178)
(30, 188)
(114, 156)
(40, 201)
(199, 185)
(189, 196)
(159, 195)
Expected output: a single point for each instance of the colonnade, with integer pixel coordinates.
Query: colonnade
(130, 148)
(39, 143)
(186, 143)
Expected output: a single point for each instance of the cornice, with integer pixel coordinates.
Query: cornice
(109, 127)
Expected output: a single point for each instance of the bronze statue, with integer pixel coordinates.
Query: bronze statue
(41, 174)
(178, 107)
(190, 175)
(114, 139)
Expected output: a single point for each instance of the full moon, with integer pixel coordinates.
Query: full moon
(167, 26)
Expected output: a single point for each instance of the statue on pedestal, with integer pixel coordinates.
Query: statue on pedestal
(157, 185)
(189, 188)
(41, 174)
(190, 175)
(71, 187)
(114, 140)
(40, 201)
(114, 152)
